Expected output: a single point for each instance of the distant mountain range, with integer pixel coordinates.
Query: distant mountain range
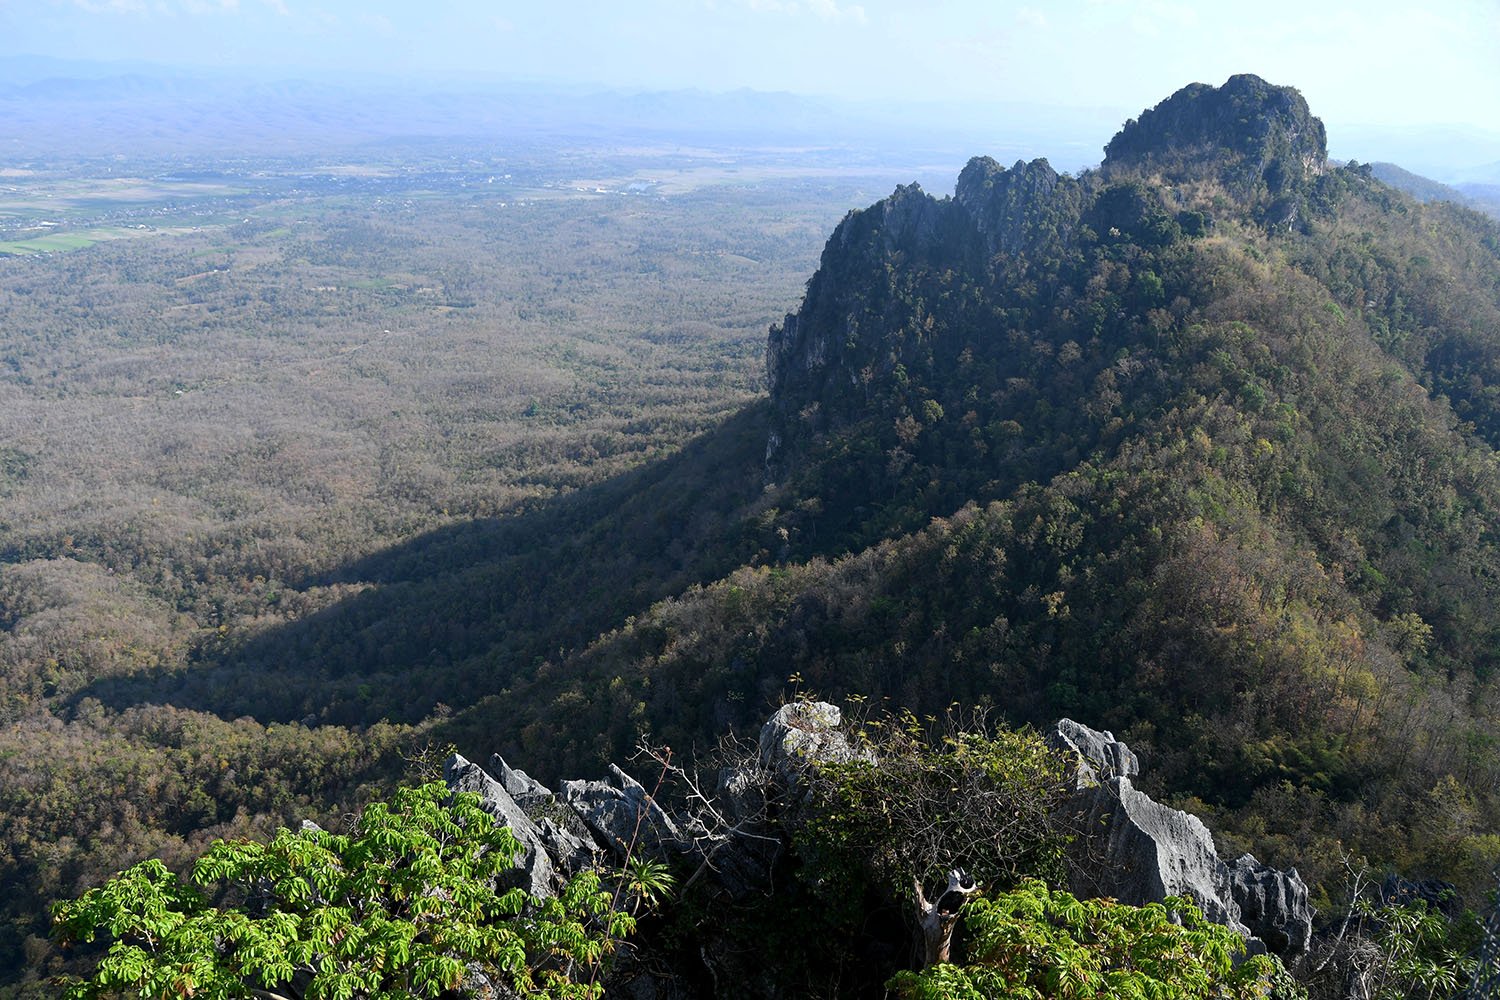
(74, 107)
(1482, 197)
(51, 107)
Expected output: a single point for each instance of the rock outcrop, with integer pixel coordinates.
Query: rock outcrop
(623, 816)
(804, 734)
(1100, 756)
(536, 871)
(1017, 211)
(1139, 851)
(1273, 904)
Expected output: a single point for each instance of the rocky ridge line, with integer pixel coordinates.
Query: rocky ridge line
(1140, 851)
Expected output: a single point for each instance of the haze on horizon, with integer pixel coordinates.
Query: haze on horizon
(1364, 67)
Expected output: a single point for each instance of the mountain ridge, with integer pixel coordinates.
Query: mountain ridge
(1181, 444)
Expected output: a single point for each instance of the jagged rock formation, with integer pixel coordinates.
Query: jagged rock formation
(1019, 210)
(592, 821)
(1100, 756)
(1139, 851)
(1273, 904)
(610, 821)
(537, 872)
(623, 816)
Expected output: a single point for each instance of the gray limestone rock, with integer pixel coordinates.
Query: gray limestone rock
(743, 792)
(538, 876)
(1151, 851)
(526, 790)
(1100, 755)
(623, 816)
(1139, 851)
(803, 733)
(1273, 904)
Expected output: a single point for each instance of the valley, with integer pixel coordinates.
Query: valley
(218, 430)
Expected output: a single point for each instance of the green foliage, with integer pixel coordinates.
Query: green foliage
(1035, 943)
(1417, 952)
(647, 882)
(404, 906)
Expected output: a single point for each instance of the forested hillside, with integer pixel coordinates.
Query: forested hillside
(1198, 446)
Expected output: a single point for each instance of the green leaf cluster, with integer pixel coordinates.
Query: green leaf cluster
(406, 905)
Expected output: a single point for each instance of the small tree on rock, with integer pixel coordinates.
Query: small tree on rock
(973, 806)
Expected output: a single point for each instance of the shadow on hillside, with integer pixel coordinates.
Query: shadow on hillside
(462, 612)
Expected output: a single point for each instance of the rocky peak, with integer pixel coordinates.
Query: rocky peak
(1247, 131)
(1015, 209)
(855, 326)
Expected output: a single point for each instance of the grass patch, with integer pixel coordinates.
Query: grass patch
(64, 241)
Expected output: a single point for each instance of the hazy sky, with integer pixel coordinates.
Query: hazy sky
(1367, 61)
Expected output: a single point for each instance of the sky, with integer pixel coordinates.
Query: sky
(1371, 61)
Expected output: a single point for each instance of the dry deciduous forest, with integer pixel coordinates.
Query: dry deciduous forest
(222, 388)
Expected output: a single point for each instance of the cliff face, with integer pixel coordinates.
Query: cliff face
(822, 355)
(827, 362)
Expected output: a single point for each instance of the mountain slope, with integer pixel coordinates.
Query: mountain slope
(1208, 434)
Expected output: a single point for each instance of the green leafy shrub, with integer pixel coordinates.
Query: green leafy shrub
(1035, 943)
(405, 906)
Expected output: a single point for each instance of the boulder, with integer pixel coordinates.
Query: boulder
(1273, 904)
(801, 734)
